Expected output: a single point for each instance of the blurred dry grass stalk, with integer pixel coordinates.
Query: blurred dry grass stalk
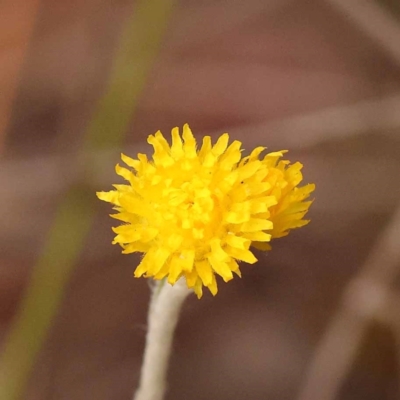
(369, 295)
(17, 18)
(146, 24)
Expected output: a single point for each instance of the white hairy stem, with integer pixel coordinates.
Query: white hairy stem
(165, 305)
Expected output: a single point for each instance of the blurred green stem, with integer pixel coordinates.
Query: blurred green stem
(138, 48)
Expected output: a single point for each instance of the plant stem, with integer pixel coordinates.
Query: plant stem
(165, 305)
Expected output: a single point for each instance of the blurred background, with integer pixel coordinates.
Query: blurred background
(318, 317)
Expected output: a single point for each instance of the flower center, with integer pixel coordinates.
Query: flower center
(188, 208)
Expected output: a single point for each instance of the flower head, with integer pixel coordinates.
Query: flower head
(196, 213)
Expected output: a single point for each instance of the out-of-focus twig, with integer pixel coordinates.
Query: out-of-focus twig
(138, 48)
(390, 317)
(302, 131)
(17, 19)
(365, 299)
(375, 21)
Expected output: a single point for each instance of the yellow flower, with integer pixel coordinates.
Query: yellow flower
(196, 213)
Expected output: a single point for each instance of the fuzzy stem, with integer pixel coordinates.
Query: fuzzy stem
(165, 305)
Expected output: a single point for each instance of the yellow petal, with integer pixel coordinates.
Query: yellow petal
(156, 259)
(238, 242)
(133, 204)
(191, 278)
(176, 147)
(198, 289)
(234, 266)
(175, 269)
(256, 224)
(135, 247)
(213, 287)
(161, 156)
(237, 217)
(221, 268)
(204, 271)
(249, 169)
(130, 162)
(111, 196)
(243, 255)
(205, 148)
(257, 236)
(125, 173)
(189, 146)
(216, 250)
(187, 257)
(221, 145)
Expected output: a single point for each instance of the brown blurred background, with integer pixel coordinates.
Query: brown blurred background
(316, 318)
